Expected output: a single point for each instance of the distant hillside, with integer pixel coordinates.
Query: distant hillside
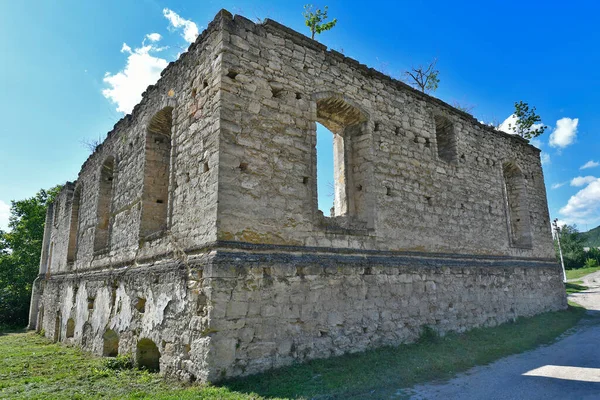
(592, 237)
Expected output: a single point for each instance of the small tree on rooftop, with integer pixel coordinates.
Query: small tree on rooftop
(315, 20)
(424, 77)
(528, 123)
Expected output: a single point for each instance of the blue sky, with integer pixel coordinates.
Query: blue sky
(65, 74)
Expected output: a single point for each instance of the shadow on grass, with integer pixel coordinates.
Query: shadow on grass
(380, 373)
(574, 287)
(6, 329)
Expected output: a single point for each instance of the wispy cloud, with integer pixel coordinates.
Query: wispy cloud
(582, 180)
(545, 158)
(565, 132)
(190, 29)
(590, 164)
(4, 214)
(558, 185)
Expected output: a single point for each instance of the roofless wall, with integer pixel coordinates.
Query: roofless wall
(192, 236)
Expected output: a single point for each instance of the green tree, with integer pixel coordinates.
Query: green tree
(425, 78)
(528, 124)
(316, 20)
(20, 250)
(571, 243)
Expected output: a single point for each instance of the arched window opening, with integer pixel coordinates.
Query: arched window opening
(86, 334)
(518, 209)
(111, 344)
(446, 139)
(74, 226)
(147, 355)
(70, 328)
(345, 122)
(155, 197)
(105, 188)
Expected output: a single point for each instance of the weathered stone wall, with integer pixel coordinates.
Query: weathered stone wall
(236, 312)
(408, 197)
(192, 237)
(190, 87)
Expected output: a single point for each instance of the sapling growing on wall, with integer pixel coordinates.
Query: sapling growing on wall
(424, 77)
(527, 123)
(316, 20)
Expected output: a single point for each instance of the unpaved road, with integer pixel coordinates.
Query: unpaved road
(566, 369)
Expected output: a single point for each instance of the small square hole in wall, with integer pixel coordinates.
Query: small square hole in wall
(91, 301)
(277, 93)
(206, 168)
(243, 166)
(140, 305)
(376, 127)
(298, 96)
(427, 143)
(397, 131)
(359, 188)
(305, 180)
(159, 201)
(429, 200)
(232, 74)
(388, 191)
(205, 84)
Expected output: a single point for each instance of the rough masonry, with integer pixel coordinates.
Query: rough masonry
(192, 237)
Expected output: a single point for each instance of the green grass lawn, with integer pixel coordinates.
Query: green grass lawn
(580, 272)
(33, 368)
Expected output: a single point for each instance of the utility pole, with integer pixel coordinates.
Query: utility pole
(562, 262)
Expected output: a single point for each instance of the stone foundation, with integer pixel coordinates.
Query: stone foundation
(232, 312)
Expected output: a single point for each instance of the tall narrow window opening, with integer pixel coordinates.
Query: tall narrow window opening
(446, 139)
(325, 170)
(107, 172)
(518, 209)
(74, 225)
(155, 197)
(346, 123)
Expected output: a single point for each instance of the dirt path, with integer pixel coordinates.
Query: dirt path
(567, 369)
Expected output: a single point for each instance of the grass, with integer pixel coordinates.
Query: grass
(574, 287)
(580, 272)
(33, 368)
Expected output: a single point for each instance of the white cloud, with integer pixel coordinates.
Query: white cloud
(190, 29)
(4, 214)
(511, 122)
(582, 180)
(142, 69)
(557, 185)
(584, 206)
(153, 37)
(545, 158)
(565, 132)
(590, 164)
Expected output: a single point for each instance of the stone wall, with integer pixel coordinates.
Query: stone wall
(192, 237)
(234, 312)
(411, 191)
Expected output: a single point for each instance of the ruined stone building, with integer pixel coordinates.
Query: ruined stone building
(192, 237)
